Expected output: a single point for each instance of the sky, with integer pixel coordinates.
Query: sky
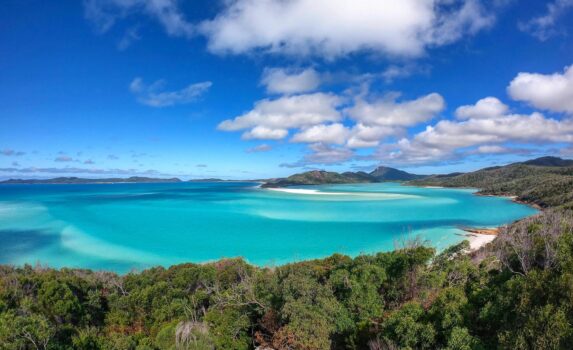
(251, 89)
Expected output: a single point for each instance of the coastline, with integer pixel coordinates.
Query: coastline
(479, 237)
(479, 240)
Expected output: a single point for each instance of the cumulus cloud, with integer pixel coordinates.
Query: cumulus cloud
(290, 81)
(89, 161)
(330, 134)
(447, 138)
(364, 136)
(543, 27)
(317, 119)
(331, 28)
(112, 157)
(270, 118)
(154, 94)
(389, 112)
(260, 148)
(327, 28)
(264, 133)
(489, 149)
(486, 108)
(11, 153)
(553, 92)
(380, 118)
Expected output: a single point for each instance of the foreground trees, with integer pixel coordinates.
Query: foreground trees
(518, 294)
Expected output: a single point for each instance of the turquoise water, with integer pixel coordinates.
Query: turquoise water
(132, 226)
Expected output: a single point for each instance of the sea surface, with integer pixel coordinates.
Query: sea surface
(123, 227)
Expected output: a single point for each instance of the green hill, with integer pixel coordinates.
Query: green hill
(321, 177)
(383, 173)
(546, 182)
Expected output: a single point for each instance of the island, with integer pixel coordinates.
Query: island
(78, 180)
(321, 177)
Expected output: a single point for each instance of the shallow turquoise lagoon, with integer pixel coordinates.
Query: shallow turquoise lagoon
(132, 226)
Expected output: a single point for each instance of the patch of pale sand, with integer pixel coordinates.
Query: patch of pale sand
(307, 191)
(478, 240)
(377, 195)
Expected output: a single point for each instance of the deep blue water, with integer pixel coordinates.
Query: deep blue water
(126, 226)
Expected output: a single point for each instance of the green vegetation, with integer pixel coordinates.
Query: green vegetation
(321, 177)
(546, 182)
(518, 294)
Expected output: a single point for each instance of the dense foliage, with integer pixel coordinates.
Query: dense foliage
(518, 294)
(543, 185)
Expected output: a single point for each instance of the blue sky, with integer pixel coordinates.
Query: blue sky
(254, 89)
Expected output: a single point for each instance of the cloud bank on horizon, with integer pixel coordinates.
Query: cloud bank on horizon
(318, 107)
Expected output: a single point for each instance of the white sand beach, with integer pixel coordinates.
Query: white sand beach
(478, 240)
(307, 191)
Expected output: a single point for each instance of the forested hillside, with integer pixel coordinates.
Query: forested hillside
(546, 182)
(516, 295)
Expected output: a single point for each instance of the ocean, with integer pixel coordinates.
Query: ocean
(125, 227)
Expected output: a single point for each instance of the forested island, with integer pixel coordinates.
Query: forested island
(321, 177)
(79, 180)
(516, 293)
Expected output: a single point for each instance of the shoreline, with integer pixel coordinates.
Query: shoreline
(479, 240)
(479, 237)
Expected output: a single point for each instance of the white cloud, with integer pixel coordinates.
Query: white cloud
(363, 136)
(274, 117)
(492, 149)
(331, 134)
(486, 108)
(543, 27)
(448, 138)
(331, 28)
(553, 92)
(154, 95)
(316, 119)
(289, 81)
(264, 133)
(389, 112)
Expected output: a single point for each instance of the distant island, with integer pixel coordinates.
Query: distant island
(78, 180)
(321, 177)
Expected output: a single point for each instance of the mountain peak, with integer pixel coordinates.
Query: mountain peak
(384, 173)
